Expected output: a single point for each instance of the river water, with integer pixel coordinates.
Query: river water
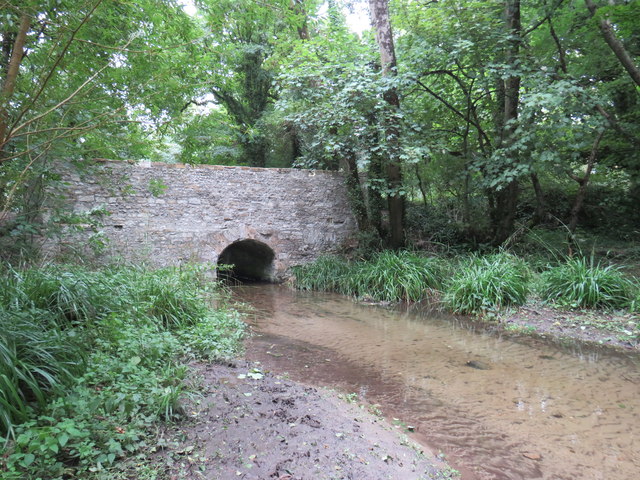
(497, 408)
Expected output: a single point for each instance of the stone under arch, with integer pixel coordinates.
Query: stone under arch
(252, 261)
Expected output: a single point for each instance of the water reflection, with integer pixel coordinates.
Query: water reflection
(500, 409)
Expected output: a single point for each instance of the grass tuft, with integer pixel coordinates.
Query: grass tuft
(388, 276)
(583, 283)
(326, 274)
(488, 283)
(394, 276)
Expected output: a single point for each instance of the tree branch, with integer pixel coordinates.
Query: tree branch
(547, 17)
(466, 118)
(616, 45)
(53, 68)
(561, 53)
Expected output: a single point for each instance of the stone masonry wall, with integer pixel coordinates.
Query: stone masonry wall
(167, 214)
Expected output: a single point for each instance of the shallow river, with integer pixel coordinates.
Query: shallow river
(530, 411)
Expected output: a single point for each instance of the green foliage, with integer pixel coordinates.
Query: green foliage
(37, 359)
(581, 282)
(157, 187)
(388, 276)
(217, 336)
(90, 361)
(109, 411)
(89, 81)
(172, 298)
(487, 283)
(394, 276)
(324, 274)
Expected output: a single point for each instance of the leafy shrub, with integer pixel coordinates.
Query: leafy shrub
(216, 337)
(487, 283)
(108, 412)
(583, 283)
(435, 224)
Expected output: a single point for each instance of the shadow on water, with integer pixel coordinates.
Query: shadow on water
(498, 408)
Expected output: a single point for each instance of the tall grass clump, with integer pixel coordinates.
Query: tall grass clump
(171, 297)
(393, 276)
(487, 283)
(36, 361)
(325, 274)
(581, 282)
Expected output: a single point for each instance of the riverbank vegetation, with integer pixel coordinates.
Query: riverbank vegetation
(488, 286)
(92, 362)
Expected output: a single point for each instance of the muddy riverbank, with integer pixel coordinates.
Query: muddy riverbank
(614, 330)
(253, 424)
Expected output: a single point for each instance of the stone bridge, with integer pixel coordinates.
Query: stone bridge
(260, 220)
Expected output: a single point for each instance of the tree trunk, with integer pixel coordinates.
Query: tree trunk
(384, 37)
(506, 199)
(256, 150)
(374, 196)
(423, 192)
(541, 203)
(615, 45)
(583, 182)
(9, 83)
(297, 6)
(506, 202)
(354, 188)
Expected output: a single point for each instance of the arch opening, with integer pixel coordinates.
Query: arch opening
(250, 260)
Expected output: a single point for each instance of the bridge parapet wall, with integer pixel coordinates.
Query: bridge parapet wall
(167, 214)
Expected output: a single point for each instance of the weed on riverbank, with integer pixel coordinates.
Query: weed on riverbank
(92, 361)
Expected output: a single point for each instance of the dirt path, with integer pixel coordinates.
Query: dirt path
(250, 425)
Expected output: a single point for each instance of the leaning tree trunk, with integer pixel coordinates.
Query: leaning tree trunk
(354, 189)
(541, 203)
(11, 76)
(616, 46)
(384, 37)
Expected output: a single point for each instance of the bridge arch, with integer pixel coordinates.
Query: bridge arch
(251, 260)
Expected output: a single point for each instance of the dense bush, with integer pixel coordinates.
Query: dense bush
(580, 282)
(487, 283)
(90, 360)
(435, 224)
